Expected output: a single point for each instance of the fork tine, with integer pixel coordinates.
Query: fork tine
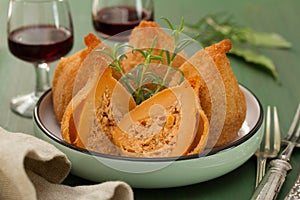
(298, 144)
(268, 129)
(267, 152)
(267, 142)
(277, 135)
(287, 152)
(298, 129)
(293, 125)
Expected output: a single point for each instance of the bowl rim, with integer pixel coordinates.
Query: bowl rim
(204, 154)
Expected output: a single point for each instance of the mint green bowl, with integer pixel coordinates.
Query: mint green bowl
(154, 172)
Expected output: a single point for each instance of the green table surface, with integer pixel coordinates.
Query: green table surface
(279, 16)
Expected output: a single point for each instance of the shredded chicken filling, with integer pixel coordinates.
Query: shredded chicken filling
(100, 138)
(155, 133)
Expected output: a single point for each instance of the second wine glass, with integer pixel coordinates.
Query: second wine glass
(39, 32)
(113, 19)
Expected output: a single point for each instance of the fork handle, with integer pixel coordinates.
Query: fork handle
(272, 182)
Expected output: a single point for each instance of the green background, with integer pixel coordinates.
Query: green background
(278, 16)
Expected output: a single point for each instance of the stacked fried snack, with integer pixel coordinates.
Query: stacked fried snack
(97, 113)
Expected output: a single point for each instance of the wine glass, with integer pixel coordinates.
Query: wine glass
(39, 32)
(117, 17)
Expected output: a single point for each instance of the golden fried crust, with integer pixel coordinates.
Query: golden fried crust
(65, 73)
(92, 67)
(235, 99)
(144, 24)
(200, 71)
(210, 74)
(142, 37)
(63, 81)
(218, 53)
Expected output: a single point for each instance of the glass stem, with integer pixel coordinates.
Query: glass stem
(42, 79)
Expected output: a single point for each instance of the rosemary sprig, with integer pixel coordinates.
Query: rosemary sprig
(116, 57)
(213, 28)
(143, 81)
(140, 76)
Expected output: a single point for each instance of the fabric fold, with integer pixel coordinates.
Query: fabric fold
(31, 169)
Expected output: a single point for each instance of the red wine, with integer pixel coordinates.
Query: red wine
(40, 43)
(113, 20)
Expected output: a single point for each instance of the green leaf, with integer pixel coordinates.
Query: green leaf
(211, 29)
(153, 43)
(263, 39)
(253, 57)
(167, 55)
(139, 51)
(181, 25)
(154, 57)
(183, 44)
(168, 22)
(122, 56)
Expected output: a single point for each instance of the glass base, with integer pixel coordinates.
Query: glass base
(24, 105)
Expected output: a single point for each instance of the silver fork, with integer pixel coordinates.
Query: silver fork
(272, 182)
(287, 138)
(262, 154)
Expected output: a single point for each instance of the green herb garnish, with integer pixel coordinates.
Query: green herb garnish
(143, 81)
(214, 28)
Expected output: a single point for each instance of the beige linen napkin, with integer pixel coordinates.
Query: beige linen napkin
(33, 169)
